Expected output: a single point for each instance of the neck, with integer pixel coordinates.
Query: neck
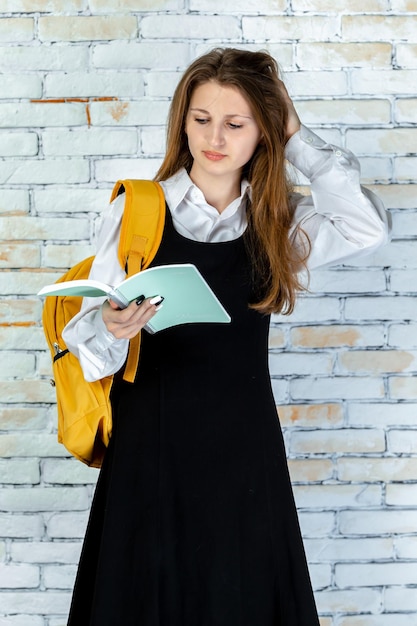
(217, 191)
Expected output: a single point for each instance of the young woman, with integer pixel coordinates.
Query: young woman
(193, 521)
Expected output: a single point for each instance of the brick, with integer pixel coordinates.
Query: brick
(14, 201)
(376, 469)
(379, 27)
(399, 6)
(340, 111)
(140, 55)
(197, 26)
(42, 499)
(381, 414)
(59, 576)
(67, 472)
(18, 576)
(143, 113)
(374, 169)
(377, 361)
(303, 28)
(94, 84)
(66, 256)
(312, 309)
(305, 83)
(328, 56)
(109, 171)
(404, 223)
(45, 171)
(403, 335)
(346, 281)
(17, 365)
(70, 200)
(19, 472)
(407, 55)
(337, 335)
(18, 144)
(336, 388)
(34, 603)
(311, 415)
(280, 390)
(310, 470)
(31, 228)
(406, 547)
(404, 168)
(68, 28)
(397, 196)
(337, 496)
(16, 29)
(405, 110)
(375, 523)
(399, 308)
(397, 599)
(403, 281)
(25, 526)
(29, 418)
(393, 619)
(349, 601)
(30, 445)
(389, 141)
(321, 577)
(402, 441)
(71, 525)
(375, 574)
(17, 255)
(238, 6)
(12, 86)
(120, 6)
(343, 440)
(23, 282)
(22, 338)
(276, 338)
(403, 388)
(339, 6)
(46, 6)
(92, 141)
(394, 82)
(401, 495)
(49, 58)
(153, 141)
(283, 363)
(161, 84)
(315, 524)
(341, 549)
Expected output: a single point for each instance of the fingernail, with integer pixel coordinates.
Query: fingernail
(140, 299)
(157, 300)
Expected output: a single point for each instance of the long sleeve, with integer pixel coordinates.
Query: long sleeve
(341, 219)
(99, 352)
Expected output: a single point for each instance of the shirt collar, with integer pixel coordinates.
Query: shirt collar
(179, 187)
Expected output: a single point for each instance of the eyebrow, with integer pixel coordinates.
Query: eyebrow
(249, 117)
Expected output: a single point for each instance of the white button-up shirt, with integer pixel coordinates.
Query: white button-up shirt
(342, 220)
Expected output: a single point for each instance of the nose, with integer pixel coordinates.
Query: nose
(216, 135)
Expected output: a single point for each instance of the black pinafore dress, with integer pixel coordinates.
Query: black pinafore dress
(193, 521)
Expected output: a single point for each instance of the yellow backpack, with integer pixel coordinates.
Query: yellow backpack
(84, 410)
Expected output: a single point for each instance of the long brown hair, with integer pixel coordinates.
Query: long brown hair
(255, 74)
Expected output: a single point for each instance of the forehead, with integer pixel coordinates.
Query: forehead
(213, 96)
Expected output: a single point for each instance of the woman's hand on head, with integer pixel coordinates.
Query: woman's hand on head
(126, 323)
(293, 122)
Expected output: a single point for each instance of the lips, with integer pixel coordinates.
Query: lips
(214, 156)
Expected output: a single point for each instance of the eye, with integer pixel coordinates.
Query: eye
(234, 126)
(201, 120)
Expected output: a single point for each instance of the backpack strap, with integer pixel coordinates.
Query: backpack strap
(140, 235)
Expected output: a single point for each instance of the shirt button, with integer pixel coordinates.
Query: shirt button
(338, 153)
(309, 139)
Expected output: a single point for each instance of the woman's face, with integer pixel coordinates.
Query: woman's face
(222, 132)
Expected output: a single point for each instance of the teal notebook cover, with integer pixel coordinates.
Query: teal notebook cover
(187, 296)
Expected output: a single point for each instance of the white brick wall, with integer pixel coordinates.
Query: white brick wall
(84, 92)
